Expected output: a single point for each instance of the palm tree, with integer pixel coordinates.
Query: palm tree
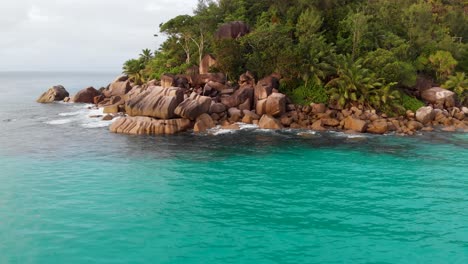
(146, 55)
(134, 69)
(355, 84)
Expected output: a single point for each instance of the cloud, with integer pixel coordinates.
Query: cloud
(81, 34)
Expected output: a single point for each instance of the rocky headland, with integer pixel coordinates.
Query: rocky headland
(200, 102)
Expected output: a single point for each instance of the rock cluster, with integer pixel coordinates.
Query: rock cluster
(209, 101)
(203, 101)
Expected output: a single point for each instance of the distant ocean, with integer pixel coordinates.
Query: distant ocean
(71, 192)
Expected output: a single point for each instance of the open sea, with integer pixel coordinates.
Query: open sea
(72, 192)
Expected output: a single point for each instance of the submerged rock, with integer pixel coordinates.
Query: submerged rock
(55, 93)
(140, 125)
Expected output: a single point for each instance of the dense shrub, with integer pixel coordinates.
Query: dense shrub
(310, 93)
(411, 103)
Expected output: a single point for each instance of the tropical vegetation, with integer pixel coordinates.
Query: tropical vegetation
(343, 52)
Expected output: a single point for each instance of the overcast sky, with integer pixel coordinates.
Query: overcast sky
(80, 35)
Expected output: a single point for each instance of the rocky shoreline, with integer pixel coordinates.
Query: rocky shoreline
(200, 102)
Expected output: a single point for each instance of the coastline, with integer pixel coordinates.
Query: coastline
(202, 102)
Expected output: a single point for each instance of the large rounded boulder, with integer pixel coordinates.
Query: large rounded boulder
(274, 105)
(155, 102)
(86, 95)
(439, 96)
(194, 106)
(425, 114)
(55, 93)
(379, 126)
(118, 87)
(354, 124)
(269, 122)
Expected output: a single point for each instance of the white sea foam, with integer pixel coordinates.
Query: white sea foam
(71, 113)
(84, 115)
(356, 136)
(350, 136)
(95, 112)
(59, 121)
(306, 132)
(221, 131)
(244, 126)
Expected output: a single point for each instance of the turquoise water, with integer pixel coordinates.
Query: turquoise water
(74, 193)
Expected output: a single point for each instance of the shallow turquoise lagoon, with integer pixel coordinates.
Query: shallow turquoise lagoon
(71, 192)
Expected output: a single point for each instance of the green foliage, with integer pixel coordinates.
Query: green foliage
(458, 83)
(269, 49)
(352, 35)
(314, 52)
(410, 103)
(309, 93)
(229, 57)
(463, 59)
(388, 42)
(134, 68)
(355, 84)
(443, 64)
(419, 19)
(386, 65)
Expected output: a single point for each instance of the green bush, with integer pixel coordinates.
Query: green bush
(306, 94)
(411, 103)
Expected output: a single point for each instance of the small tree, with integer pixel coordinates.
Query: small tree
(443, 64)
(180, 28)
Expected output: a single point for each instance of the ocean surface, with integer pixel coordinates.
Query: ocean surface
(71, 192)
